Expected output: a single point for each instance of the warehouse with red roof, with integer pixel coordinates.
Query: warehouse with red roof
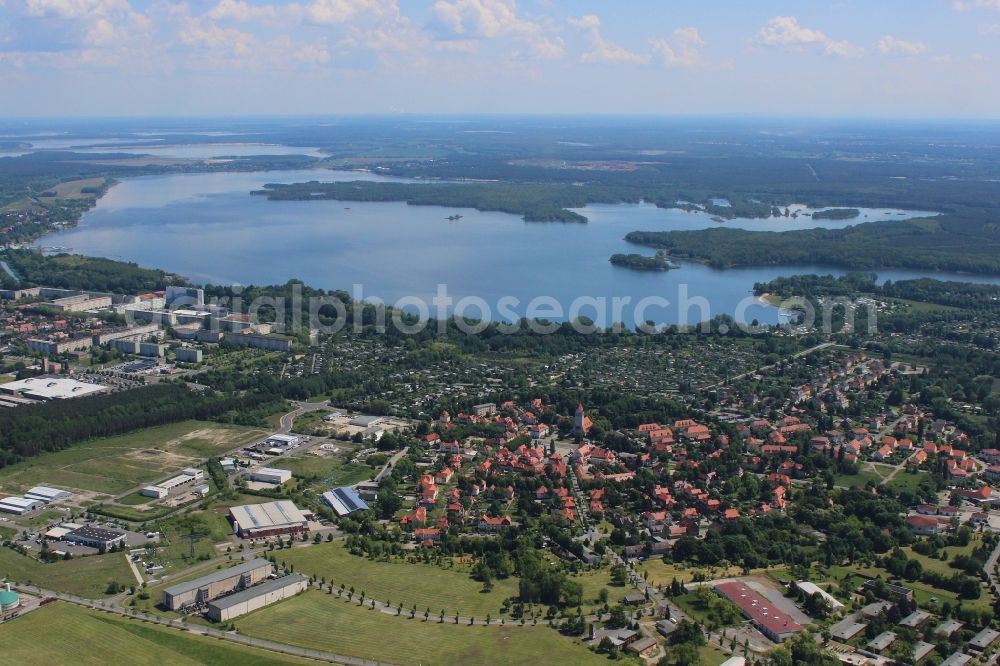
(771, 622)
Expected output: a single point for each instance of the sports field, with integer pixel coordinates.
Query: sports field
(60, 633)
(322, 621)
(115, 464)
(83, 576)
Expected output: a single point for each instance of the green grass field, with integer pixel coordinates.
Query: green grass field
(134, 499)
(923, 592)
(87, 637)
(905, 480)
(211, 523)
(711, 655)
(942, 567)
(661, 573)
(322, 621)
(710, 610)
(859, 480)
(115, 464)
(84, 576)
(330, 470)
(426, 585)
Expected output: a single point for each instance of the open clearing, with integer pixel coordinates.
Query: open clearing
(661, 573)
(74, 189)
(426, 585)
(322, 621)
(83, 576)
(115, 464)
(29, 640)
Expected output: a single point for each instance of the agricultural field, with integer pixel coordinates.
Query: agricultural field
(426, 585)
(83, 576)
(75, 189)
(139, 457)
(28, 640)
(322, 621)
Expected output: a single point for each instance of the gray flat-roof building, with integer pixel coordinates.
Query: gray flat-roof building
(882, 641)
(915, 619)
(269, 519)
(921, 650)
(847, 629)
(214, 585)
(95, 537)
(957, 659)
(947, 628)
(46, 494)
(258, 596)
(984, 639)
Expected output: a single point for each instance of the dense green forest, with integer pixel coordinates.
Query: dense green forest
(534, 202)
(967, 242)
(966, 295)
(640, 262)
(32, 429)
(836, 214)
(78, 272)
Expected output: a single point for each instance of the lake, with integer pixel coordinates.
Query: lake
(208, 227)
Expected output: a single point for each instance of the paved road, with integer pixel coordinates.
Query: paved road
(991, 569)
(804, 352)
(288, 420)
(390, 464)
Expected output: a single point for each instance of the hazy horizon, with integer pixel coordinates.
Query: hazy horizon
(316, 58)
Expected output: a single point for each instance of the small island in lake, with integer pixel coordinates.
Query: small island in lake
(640, 262)
(836, 214)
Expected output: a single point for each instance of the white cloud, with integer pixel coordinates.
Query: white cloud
(889, 45)
(239, 10)
(75, 9)
(785, 31)
(493, 19)
(683, 49)
(101, 33)
(602, 50)
(967, 5)
(457, 45)
(216, 38)
(327, 12)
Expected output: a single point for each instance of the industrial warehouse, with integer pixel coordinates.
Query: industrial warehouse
(344, 500)
(271, 475)
(95, 537)
(162, 489)
(773, 623)
(33, 499)
(50, 388)
(258, 596)
(252, 521)
(200, 591)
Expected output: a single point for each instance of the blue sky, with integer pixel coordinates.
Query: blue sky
(889, 58)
